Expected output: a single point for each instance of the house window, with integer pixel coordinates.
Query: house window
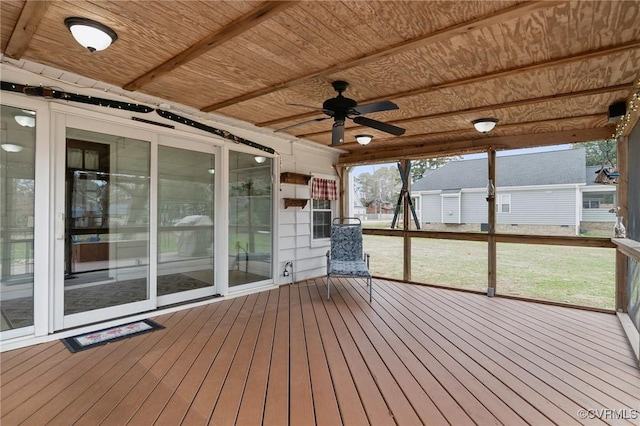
(321, 219)
(599, 200)
(504, 204)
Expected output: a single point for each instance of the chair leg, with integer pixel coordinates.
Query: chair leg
(370, 281)
(328, 287)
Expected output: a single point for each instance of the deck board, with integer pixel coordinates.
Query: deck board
(416, 355)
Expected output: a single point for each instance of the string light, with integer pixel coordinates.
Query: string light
(632, 108)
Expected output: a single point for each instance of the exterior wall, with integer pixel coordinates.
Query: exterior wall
(540, 206)
(451, 208)
(597, 215)
(296, 242)
(474, 207)
(431, 211)
(554, 206)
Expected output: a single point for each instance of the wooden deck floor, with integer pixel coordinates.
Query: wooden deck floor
(417, 355)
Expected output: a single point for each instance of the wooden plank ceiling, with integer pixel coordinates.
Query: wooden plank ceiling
(548, 70)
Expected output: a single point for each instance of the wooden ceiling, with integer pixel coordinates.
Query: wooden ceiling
(548, 70)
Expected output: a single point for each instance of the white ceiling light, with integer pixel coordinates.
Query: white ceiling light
(260, 159)
(91, 34)
(25, 120)
(11, 147)
(484, 125)
(364, 139)
(211, 171)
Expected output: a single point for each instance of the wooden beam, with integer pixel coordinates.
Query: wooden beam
(478, 144)
(255, 17)
(476, 79)
(550, 240)
(470, 132)
(518, 103)
(463, 28)
(28, 21)
(492, 266)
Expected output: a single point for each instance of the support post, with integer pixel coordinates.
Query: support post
(622, 264)
(342, 185)
(491, 218)
(405, 170)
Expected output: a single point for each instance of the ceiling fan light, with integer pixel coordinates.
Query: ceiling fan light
(91, 34)
(260, 159)
(364, 139)
(484, 125)
(25, 120)
(11, 147)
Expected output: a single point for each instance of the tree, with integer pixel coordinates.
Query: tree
(600, 152)
(383, 184)
(420, 167)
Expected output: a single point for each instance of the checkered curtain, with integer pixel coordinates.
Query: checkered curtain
(324, 189)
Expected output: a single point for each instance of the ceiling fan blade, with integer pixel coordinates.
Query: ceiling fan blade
(375, 107)
(301, 124)
(379, 125)
(337, 134)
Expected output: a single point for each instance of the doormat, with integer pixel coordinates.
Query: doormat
(108, 335)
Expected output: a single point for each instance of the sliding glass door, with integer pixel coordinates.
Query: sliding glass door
(186, 207)
(17, 212)
(106, 226)
(250, 218)
(135, 221)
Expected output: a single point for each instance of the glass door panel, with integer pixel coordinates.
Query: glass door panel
(106, 242)
(250, 218)
(17, 198)
(185, 224)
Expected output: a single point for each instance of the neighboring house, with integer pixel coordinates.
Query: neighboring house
(377, 207)
(553, 190)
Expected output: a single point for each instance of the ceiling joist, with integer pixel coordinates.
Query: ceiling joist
(483, 108)
(463, 28)
(234, 29)
(506, 73)
(30, 17)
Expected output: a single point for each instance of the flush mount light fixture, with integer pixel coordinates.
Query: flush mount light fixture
(91, 34)
(25, 120)
(363, 139)
(260, 159)
(484, 125)
(11, 147)
(211, 171)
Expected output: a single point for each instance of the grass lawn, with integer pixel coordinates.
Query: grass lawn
(577, 275)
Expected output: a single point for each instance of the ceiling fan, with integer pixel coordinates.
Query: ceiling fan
(341, 108)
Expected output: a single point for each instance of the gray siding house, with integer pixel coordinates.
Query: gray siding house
(546, 192)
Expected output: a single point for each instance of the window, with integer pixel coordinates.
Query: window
(321, 219)
(598, 200)
(504, 204)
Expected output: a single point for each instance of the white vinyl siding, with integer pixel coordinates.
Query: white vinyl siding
(451, 208)
(431, 208)
(474, 207)
(540, 207)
